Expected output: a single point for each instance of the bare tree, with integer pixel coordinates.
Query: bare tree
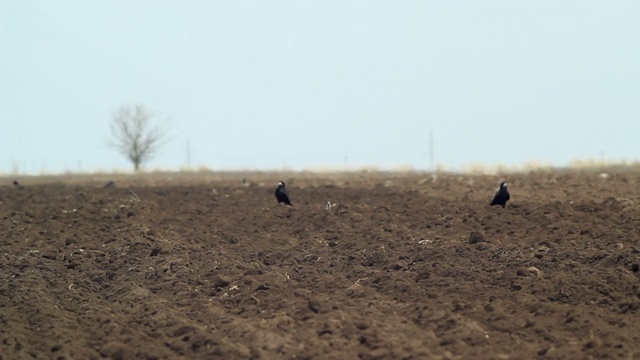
(134, 134)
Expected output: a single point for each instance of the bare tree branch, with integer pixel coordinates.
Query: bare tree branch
(134, 134)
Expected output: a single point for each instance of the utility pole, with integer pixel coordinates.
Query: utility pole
(431, 162)
(188, 154)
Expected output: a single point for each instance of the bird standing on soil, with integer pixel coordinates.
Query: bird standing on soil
(502, 196)
(281, 194)
(17, 185)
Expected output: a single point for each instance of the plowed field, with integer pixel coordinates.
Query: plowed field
(401, 267)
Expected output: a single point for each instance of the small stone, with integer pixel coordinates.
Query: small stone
(534, 271)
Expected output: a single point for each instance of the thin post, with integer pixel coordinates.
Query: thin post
(188, 154)
(431, 156)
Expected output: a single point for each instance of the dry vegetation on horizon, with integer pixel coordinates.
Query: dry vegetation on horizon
(206, 175)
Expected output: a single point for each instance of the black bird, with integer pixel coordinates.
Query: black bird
(17, 185)
(502, 196)
(281, 194)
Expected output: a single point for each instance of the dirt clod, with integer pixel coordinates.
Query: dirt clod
(476, 237)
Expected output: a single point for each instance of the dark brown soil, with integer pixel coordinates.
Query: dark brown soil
(401, 267)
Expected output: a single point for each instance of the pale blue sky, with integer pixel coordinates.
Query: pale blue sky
(306, 84)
